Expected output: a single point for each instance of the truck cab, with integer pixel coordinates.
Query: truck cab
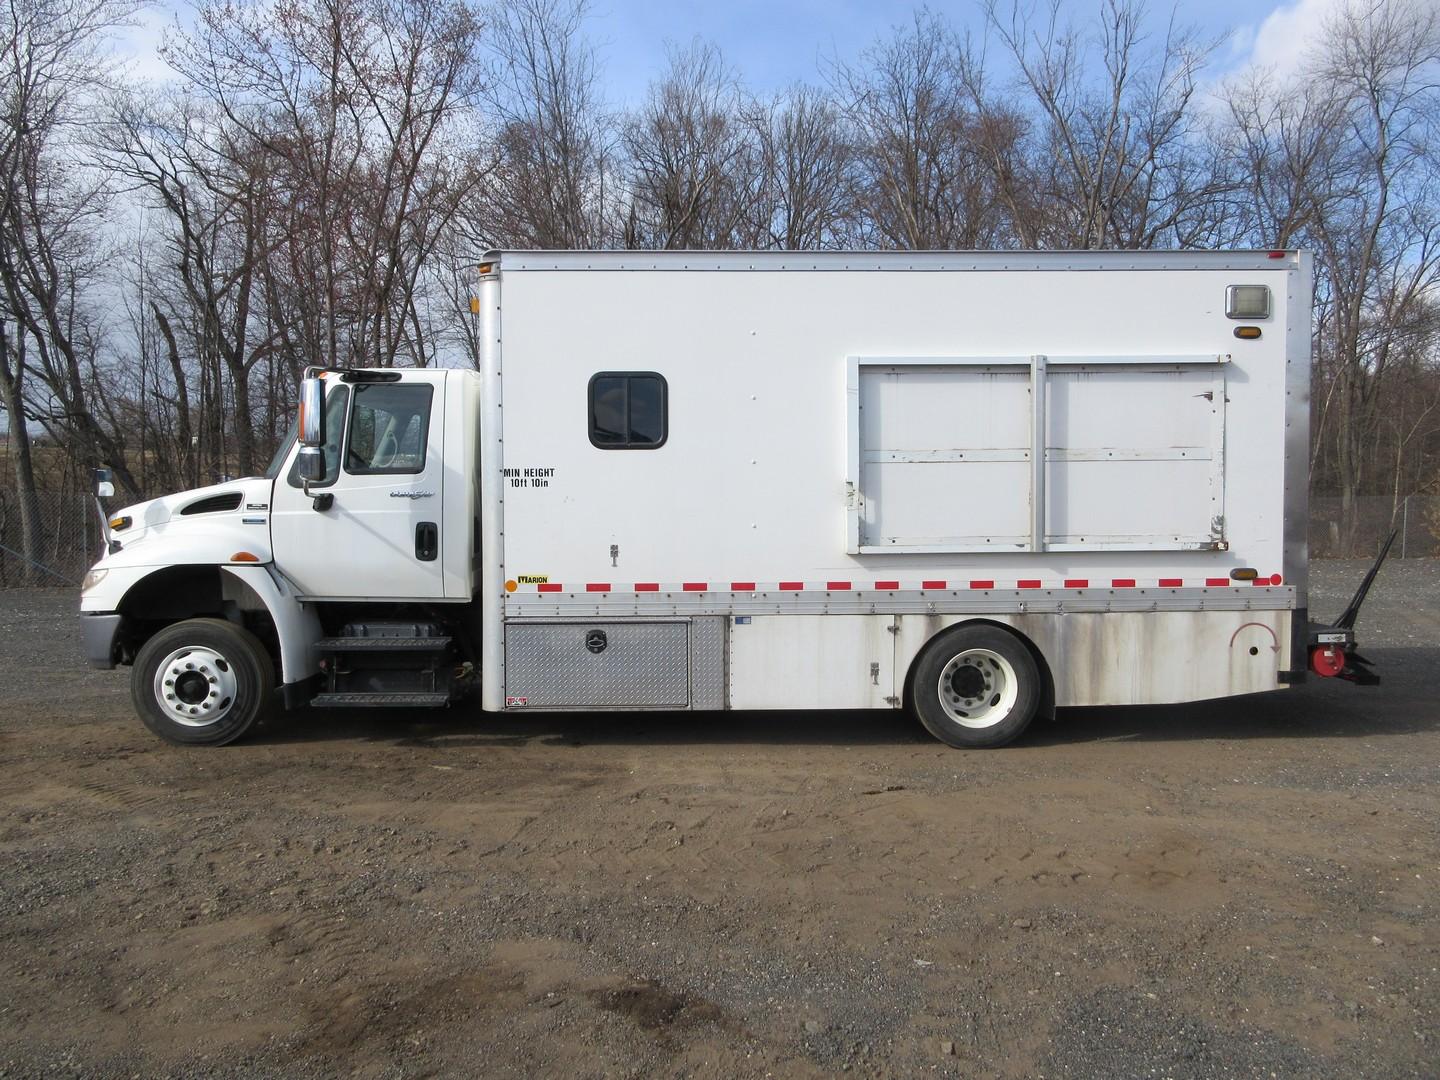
(360, 572)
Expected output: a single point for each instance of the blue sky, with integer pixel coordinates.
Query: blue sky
(771, 43)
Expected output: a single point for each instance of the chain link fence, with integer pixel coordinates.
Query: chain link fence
(70, 534)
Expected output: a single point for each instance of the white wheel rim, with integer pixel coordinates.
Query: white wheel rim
(978, 688)
(195, 686)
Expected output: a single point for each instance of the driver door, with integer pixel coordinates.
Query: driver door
(379, 537)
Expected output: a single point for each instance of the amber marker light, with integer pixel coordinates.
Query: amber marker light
(1247, 332)
(1244, 573)
(511, 585)
(122, 522)
(244, 556)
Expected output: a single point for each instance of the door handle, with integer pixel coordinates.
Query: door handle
(427, 541)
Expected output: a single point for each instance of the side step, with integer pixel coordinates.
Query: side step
(372, 701)
(382, 644)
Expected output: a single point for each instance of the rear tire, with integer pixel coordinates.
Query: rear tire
(976, 686)
(202, 682)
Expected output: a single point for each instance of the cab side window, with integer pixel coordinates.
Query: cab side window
(334, 433)
(389, 427)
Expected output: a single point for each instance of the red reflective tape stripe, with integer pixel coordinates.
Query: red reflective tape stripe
(551, 588)
(647, 586)
(837, 585)
(1122, 583)
(1028, 583)
(1077, 583)
(1220, 581)
(887, 585)
(1261, 581)
(982, 584)
(792, 586)
(1171, 582)
(596, 586)
(742, 586)
(932, 584)
(696, 586)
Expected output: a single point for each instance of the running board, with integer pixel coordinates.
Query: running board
(377, 701)
(382, 644)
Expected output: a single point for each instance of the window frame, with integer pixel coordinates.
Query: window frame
(424, 431)
(627, 375)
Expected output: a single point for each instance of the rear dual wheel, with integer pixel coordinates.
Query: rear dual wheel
(202, 682)
(976, 686)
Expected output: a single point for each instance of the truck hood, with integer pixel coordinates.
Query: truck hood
(238, 509)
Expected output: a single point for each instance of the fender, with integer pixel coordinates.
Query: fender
(297, 625)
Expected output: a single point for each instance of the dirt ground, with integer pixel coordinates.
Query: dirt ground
(1235, 889)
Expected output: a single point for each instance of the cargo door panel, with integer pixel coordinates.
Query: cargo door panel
(1036, 453)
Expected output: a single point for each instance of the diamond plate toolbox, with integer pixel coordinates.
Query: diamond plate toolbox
(613, 664)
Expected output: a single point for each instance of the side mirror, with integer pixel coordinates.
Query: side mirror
(312, 416)
(311, 462)
(104, 488)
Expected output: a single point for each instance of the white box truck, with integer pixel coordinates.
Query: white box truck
(980, 485)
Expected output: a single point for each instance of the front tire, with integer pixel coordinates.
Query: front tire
(202, 682)
(976, 686)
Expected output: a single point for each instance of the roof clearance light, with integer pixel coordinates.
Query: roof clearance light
(1250, 332)
(1277, 254)
(1247, 302)
(118, 523)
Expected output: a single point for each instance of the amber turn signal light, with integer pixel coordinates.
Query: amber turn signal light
(1248, 332)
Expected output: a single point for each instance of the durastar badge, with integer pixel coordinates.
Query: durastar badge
(411, 494)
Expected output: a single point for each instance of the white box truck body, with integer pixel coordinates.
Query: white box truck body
(984, 484)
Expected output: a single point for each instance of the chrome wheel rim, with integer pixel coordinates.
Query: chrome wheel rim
(978, 688)
(195, 686)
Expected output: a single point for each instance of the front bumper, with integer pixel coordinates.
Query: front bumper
(100, 633)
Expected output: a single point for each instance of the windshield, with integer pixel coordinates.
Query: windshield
(273, 469)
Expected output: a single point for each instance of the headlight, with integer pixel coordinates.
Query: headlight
(91, 579)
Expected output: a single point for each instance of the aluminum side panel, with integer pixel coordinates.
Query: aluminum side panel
(812, 662)
(1138, 658)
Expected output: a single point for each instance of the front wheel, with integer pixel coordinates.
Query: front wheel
(976, 686)
(202, 682)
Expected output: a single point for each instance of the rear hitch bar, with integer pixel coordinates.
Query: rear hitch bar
(1332, 648)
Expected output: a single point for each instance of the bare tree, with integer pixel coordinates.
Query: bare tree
(695, 162)
(51, 209)
(554, 137)
(921, 179)
(1116, 155)
(806, 200)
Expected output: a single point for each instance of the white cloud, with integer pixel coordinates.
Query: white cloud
(1286, 37)
(137, 47)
